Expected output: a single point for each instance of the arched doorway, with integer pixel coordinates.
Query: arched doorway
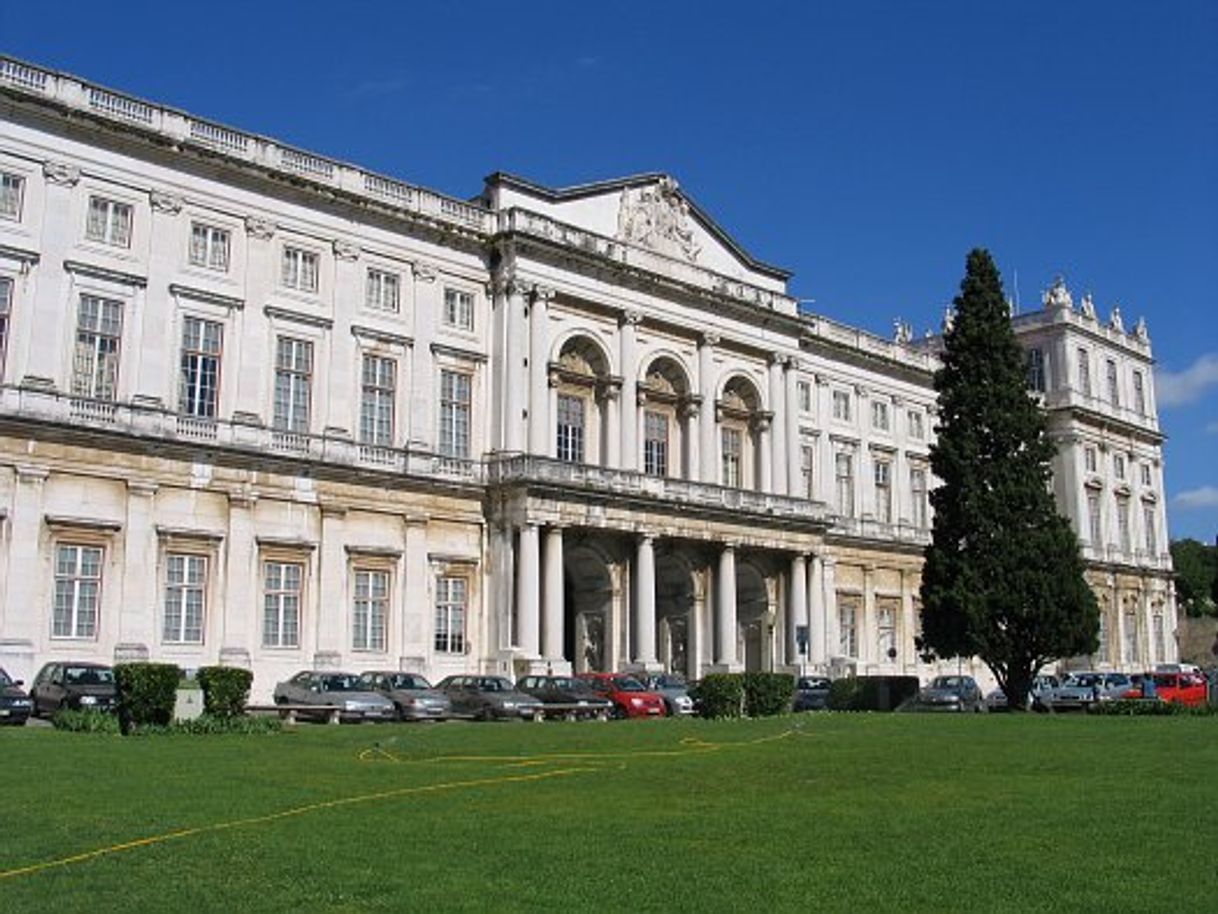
(676, 631)
(756, 618)
(587, 607)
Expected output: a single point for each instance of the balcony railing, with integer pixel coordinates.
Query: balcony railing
(867, 528)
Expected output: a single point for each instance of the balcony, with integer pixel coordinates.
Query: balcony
(870, 529)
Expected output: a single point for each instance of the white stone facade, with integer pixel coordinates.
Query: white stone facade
(264, 408)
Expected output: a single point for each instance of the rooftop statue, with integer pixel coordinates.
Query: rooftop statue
(1088, 304)
(1140, 331)
(657, 217)
(1058, 296)
(1115, 322)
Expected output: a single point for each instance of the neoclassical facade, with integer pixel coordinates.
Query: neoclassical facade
(262, 407)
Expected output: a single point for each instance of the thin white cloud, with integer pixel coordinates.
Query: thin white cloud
(1176, 388)
(1203, 497)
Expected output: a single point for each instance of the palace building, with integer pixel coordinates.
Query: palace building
(265, 408)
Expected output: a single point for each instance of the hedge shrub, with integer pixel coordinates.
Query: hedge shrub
(226, 690)
(211, 725)
(86, 721)
(719, 695)
(1139, 707)
(767, 694)
(871, 693)
(147, 693)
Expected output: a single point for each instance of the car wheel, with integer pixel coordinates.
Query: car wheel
(619, 713)
(486, 714)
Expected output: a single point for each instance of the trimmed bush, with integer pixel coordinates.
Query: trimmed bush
(147, 693)
(213, 725)
(719, 695)
(1142, 707)
(226, 690)
(767, 694)
(871, 693)
(87, 721)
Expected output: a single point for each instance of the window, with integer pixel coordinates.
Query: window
(78, 572)
(371, 610)
(1146, 476)
(1157, 633)
(844, 471)
(455, 389)
(917, 427)
(1148, 522)
(807, 481)
(299, 269)
(1089, 459)
(185, 599)
(458, 309)
(1102, 636)
(6, 309)
(879, 415)
(655, 443)
(1094, 519)
(383, 291)
(377, 382)
(847, 627)
(883, 491)
(1114, 393)
(1123, 523)
(841, 405)
(12, 188)
(886, 632)
(99, 327)
(200, 381)
(1139, 394)
(109, 222)
(732, 443)
(1084, 371)
(1118, 466)
(293, 381)
(282, 585)
(804, 390)
(1036, 370)
(1131, 636)
(917, 491)
(209, 247)
(570, 428)
(451, 593)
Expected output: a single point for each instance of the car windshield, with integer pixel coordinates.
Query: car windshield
(4, 679)
(493, 684)
(87, 675)
(341, 682)
(808, 684)
(1086, 680)
(628, 684)
(408, 681)
(567, 684)
(947, 682)
(669, 682)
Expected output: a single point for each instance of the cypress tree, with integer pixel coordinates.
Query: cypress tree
(1003, 579)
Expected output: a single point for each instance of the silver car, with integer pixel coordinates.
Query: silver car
(490, 698)
(1080, 690)
(412, 695)
(344, 694)
(997, 699)
(673, 689)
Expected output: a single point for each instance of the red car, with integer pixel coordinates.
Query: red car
(1180, 688)
(629, 696)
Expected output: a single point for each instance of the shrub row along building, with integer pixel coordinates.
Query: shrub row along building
(261, 407)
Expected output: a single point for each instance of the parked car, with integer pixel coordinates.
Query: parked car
(629, 696)
(15, 704)
(325, 690)
(674, 690)
(812, 693)
(1080, 689)
(412, 695)
(73, 686)
(951, 693)
(489, 698)
(997, 699)
(566, 696)
(1180, 688)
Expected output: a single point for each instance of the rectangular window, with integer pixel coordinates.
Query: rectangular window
(806, 466)
(1089, 460)
(6, 310)
(1084, 371)
(1123, 524)
(383, 292)
(1131, 636)
(12, 189)
(1158, 634)
(293, 384)
(209, 247)
(299, 269)
(99, 328)
(371, 611)
(377, 383)
(844, 471)
(455, 399)
(109, 222)
(78, 571)
(570, 428)
(805, 396)
(1139, 394)
(917, 427)
(886, 633)
(1114, 392)
(1036, 370)
(458, 309)
(883, 491)
(1118, 466)
(451, 596)
(847, 627)
(1146, 476)
(655, 443)
(199, 391)
(281, 598)
(917, 491)
(185, 599)
(879, 415)
(1148, 522)
(732, 443)
(1094, 519)
(841, 405)
(1102, 636)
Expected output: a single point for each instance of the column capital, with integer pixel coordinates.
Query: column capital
(630, 317)
(62, 173)
(262, 229)
(709, 338)
(777, 360)
(542, 292)
(165, 202)
(516, 286)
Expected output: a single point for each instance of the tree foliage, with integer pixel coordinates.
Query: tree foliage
(1003, 578)
(1196, 567)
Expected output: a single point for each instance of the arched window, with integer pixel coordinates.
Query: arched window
(667, 410)
(581, 383)
(741, 421)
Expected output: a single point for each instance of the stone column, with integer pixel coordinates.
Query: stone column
(54, 313)
(765, 455)
(778, 427)
(243, 574)
(628, 420)
(153, 339)
(253, 375)
(137, 612)
(514, 350)
(909, 625)
(833, 636)
(798, 609)
(552, 597)
(417, 606)
(817, 622)
(539, 385)
(725, 620)
(613, 421)
(423, 385)
(25, 617)
(527, 591)
(867, 629)
(708, 471)
(645, 602)
(789, 417)
(696, 632)
(689, 467)
(331, 603)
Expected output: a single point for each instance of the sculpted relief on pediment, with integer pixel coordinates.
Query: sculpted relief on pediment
(657, 217)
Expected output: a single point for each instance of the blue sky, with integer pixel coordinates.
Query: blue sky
(864, 145)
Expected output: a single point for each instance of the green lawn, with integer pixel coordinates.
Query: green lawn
(815, 812)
